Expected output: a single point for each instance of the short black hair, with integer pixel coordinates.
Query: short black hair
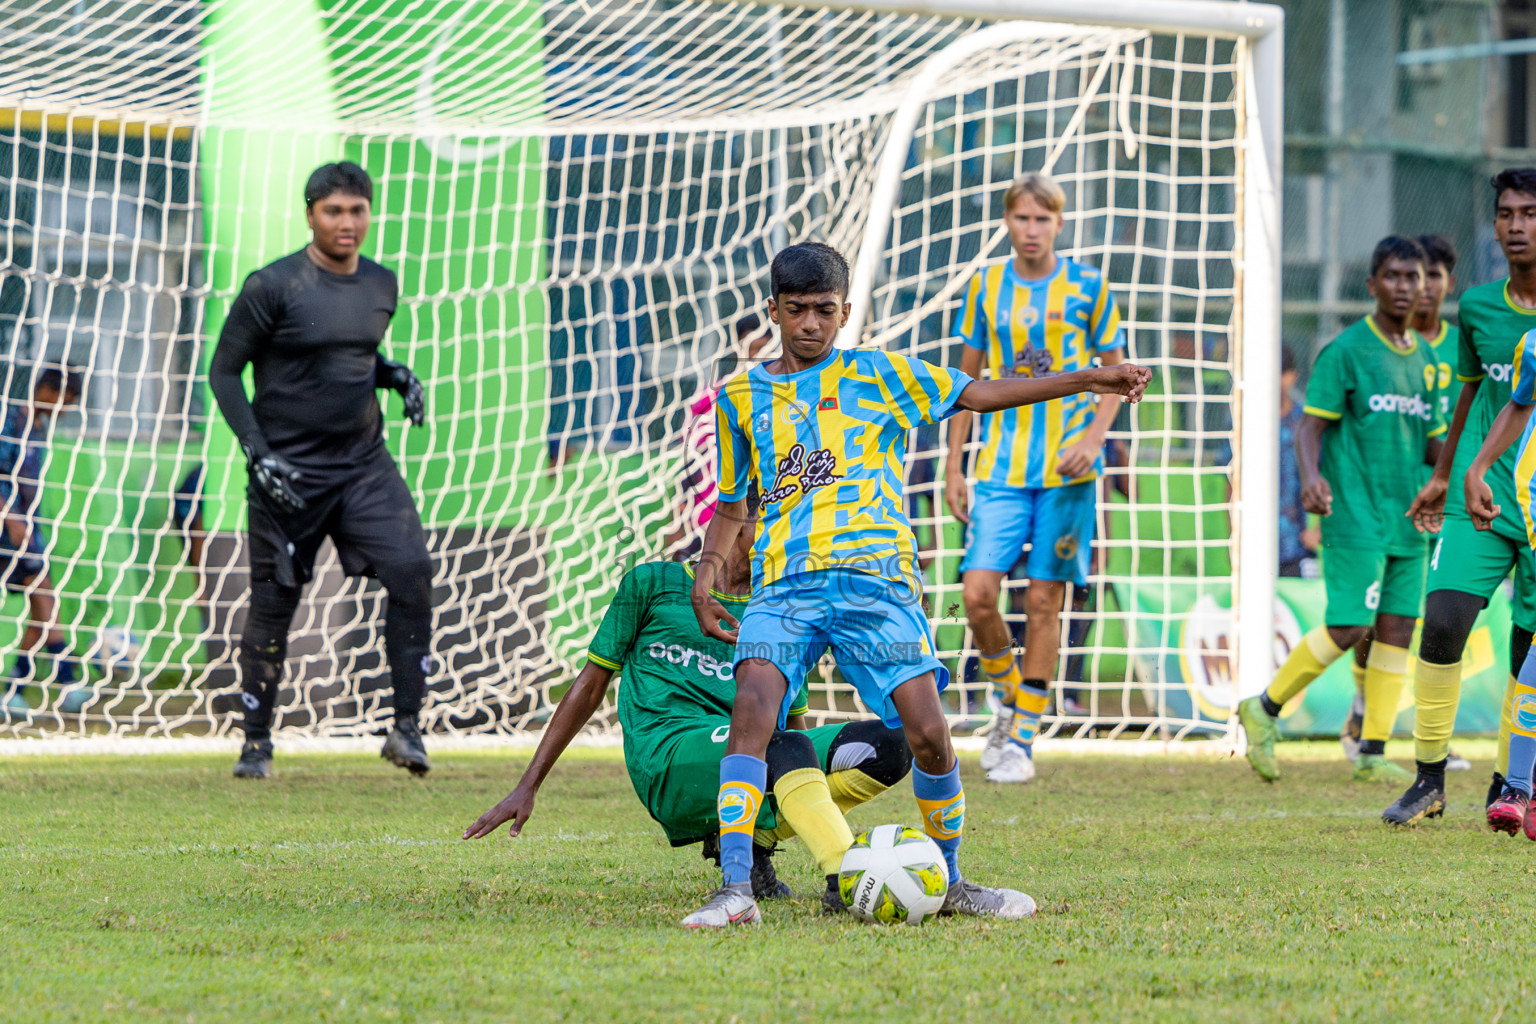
(1396, 247)
(809, 268)
(748, 325)
(1513, 179)
(66, 380)
(1287, 361)
(345, 177)
(1439, 249)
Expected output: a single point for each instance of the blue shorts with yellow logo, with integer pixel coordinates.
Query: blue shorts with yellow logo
(875, 627)
(1056, 523)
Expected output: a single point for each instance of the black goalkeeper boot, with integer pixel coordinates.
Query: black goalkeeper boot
(1424, 799)
(255, 760)
(404, 747)
(765, 881)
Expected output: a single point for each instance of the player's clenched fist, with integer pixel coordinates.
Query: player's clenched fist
(1126, 379)
(1317, 497)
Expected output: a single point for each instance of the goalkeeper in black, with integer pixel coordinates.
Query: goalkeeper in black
(310, 325)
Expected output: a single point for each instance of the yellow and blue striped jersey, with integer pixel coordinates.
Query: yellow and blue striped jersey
(1522, 391)
(826, 446)
(1037, 329)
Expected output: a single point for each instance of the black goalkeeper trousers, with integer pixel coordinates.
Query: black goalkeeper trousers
(372, 519)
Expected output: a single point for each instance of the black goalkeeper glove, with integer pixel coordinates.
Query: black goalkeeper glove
(275, 476)
(398, 377)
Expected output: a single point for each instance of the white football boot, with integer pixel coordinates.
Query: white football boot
(1013, 765)
(972, 900)
(727, 905)
(997, 736)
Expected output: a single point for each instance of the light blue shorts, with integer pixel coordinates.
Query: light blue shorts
(875, 627)
(1055, 522)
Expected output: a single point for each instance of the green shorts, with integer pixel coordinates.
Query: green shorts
(683, 798)
(1473, 561)
(1364, 584)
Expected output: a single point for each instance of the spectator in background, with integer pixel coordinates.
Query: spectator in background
(697, 502)
(1297, 543)
(24, 544)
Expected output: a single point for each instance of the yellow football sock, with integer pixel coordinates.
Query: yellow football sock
(1358, 671)
(1307, 661)
(1003, 669)
(1384, 672)
(806, 804)
(1436, 692)
(851, 787)
(1505, 724)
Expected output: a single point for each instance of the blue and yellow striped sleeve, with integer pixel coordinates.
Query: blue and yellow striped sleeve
(1104, 322)
(916, 390)
(1522, 384)
(734, 467)
(971, 322)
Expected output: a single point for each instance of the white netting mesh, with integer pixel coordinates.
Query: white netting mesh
(581, 201)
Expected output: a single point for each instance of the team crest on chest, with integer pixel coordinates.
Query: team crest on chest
(1026, 316)
(796, 413)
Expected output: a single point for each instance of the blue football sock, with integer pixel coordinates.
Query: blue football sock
(22, 670)
(941, 801)
(1522, 729)
(1029, 704)
(742, 780)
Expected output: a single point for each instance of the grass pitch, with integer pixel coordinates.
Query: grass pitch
(159, 888)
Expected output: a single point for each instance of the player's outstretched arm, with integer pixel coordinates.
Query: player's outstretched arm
(723, 529)
(573, 712)
(1316, 495)
(399, 378)
(1507, 427)
(1126, 379)
(1076, 459)
(1428, 508)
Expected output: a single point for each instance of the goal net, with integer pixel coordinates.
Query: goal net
(581, 201)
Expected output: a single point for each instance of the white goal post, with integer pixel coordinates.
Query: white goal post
(580, 201)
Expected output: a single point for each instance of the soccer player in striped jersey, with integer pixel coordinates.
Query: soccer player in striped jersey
(1509, 811)
(1371, 429)
(823, 432)
(675, 708)
(1035, 316)
(1439, 282)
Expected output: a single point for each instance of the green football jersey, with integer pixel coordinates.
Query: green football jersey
(1445, 357)
(1491, 329)
(1385, 404)
(673, 677)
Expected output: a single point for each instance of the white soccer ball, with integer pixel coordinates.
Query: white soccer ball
(893, 874)
(119, 650)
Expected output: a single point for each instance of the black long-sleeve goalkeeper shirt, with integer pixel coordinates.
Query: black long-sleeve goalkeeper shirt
(312, 338)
